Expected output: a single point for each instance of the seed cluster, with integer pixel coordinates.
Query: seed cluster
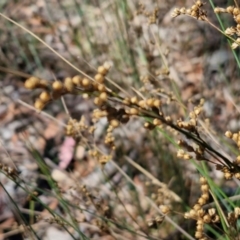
(152, 16)
(193, 116)
(233, 216)
(191, 125)
(56, 89)
(234, 30)
(9, 171)
(195, 11)
(75, 128)
(155, 222)
(200, 215)
(234, 170)
(101, 158)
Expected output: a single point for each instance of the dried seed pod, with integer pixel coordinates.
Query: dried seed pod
(150, 102)
(102, 70)
(203, 180)
(230, 9)
(204, 188)
(85, 82)
(157, 122)
(207, 218)
(157, 103)
(199, 3)
(142, 104)
(32, 82)
(198, 234)
(101, 88)
(99, 78)
(236, 11)
(103, 96)
(77, 80)
(57, 85)
(114, 123)
(201, 201)
(134, 100)
(133, 111)
(98, 101)
(212, 212)
(45, 96)
(39, 104)
(165, 209)
(199, 227)
(68, 84)
(228, 134)
(237, 18)
(197, 207)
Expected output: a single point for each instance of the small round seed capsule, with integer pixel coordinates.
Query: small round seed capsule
(203, 180)
(230, 9)
(85, 82)
(133, 111)
(114, 123)
(236, 11)
(85, 95)
(150, 102)
(228, 134)
(77, 80)
(142, 104)
(207, 218)
(198, 234)
(98, 101)
(68, 84)
(156, 122)
(102, 70)
(103, 96)
(237, 18)
(157, 103)
(99, 78)
(57, 85)
(134, 100)
(32, 82)
(205, 196)
(201, 201)
(39, 104)
(101, 88)
(45, 96)
(165, 209)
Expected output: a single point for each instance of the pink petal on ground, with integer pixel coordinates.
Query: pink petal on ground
(66, 152)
